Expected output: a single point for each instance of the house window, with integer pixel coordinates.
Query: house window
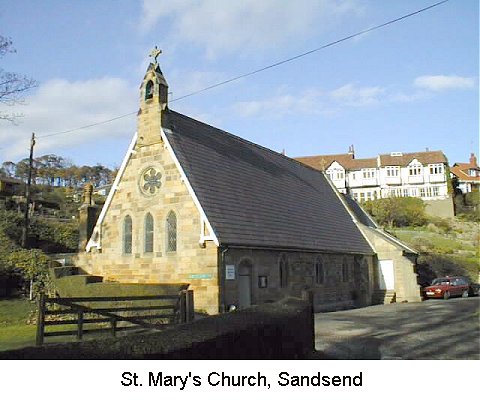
(336, 174)
(368, 173)
(171, 231)
(422, 192)
(148, 246)
(127, 235)
(414, 170)
(149, 90)
(283, 271)
(436, 169)
(345, 272)
(392, 171)
(436, 191)
(319, 272)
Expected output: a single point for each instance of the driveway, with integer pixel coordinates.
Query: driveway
(433, 329)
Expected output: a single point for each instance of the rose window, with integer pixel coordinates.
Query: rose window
(150, 181)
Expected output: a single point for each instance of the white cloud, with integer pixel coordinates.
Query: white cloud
(350, 95)
(313, 101)
(306, 102)
(60, 105)
(439, 83)
(247, 25)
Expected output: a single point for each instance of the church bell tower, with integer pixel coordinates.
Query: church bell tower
(153, 102)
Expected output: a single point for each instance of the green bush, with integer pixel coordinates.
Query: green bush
(397, 211)
(56, 236)
(30, 265)
(27, 265)
(443, 225)
(431, 265)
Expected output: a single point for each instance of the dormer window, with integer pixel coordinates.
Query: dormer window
(149, 90)
(436, 169)
(415, 169)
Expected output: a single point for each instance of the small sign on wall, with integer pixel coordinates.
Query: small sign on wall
(262, 282)
(200, 276)
(230, 272)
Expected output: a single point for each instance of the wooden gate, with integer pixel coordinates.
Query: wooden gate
(134, 312)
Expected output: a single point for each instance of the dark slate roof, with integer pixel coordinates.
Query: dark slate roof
(256, 197)
(361, 215)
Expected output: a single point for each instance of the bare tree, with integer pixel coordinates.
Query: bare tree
(12, 85)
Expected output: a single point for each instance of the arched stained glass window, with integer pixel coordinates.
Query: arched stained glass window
(171, 231)
(283, 271)
(319, 271)
(149, 229)
(345, 271)
(127, 235)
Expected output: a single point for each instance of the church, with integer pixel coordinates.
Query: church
(241, 224)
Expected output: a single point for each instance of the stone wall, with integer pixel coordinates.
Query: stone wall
(331, 292)
(406, 286)
(440, 208)
(283, 330)
(190, 263)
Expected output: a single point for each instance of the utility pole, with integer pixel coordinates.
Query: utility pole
(26, 221)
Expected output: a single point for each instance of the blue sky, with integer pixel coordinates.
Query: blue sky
(406, 87)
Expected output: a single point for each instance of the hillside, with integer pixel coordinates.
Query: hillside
(446, 248)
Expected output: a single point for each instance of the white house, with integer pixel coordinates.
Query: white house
(419, 174)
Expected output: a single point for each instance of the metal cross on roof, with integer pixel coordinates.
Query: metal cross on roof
(155, 53)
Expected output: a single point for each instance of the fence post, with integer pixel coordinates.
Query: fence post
(80, 325)
(183, 306)
(189, 306)
(114, 326)
(307, 295)
(40, 319)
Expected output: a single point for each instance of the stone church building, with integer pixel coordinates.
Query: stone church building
(241, 224)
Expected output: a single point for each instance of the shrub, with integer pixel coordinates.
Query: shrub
(430, 266)
(443, 224)
(30, 265)
(397, 211)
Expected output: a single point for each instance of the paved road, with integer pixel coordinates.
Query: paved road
(433, 329)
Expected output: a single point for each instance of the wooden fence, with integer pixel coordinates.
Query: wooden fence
(166, 310)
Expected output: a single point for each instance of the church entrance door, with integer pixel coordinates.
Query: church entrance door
(245, 284)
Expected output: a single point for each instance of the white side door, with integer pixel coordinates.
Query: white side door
(386, 276)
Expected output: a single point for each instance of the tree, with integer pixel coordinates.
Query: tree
(12, 85)
(397, 211)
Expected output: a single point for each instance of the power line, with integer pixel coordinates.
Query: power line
(263, 68)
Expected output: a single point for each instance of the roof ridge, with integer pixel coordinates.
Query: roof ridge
(248, 142)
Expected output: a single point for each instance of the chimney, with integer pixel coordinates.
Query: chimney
(88, 214)
(351, 151)
(473, 160)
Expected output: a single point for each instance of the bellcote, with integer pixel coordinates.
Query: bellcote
(154, 88)
(153, 102)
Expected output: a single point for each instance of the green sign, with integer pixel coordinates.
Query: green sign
(200, 276)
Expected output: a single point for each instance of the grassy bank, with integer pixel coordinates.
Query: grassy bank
(452, 249)
(15, 332)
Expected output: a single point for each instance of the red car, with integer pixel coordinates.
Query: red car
(447, 287)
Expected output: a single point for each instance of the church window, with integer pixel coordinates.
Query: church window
(283, 271)
(127, 235)
(171, 231)
(149, 90)
(148, 244)
(345, 272)
(319, 272)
